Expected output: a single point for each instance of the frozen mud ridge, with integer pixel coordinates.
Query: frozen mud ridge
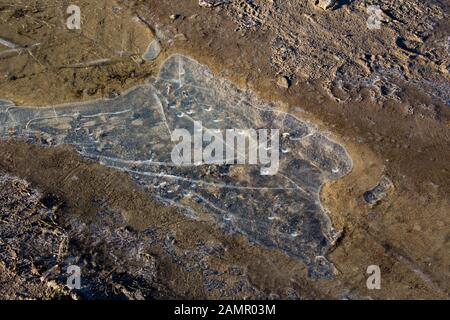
(132, 133)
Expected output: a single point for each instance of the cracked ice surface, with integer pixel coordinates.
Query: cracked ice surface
(132, 133)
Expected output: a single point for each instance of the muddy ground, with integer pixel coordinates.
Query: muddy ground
(382, 93)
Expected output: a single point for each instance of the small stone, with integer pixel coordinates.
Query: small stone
(180, 37)
(116, 9)
(284, 82)
(90, 91)
(112, 94)
(325, 4)
(211, 3)
(153, 51)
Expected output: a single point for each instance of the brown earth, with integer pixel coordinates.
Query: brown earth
(407, 233)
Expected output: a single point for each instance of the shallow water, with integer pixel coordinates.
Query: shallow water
(132, 133)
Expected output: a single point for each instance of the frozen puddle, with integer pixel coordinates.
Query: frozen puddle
(132, 133)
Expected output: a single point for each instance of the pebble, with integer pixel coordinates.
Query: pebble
(181, 37)
(90, 91)
(210, 3)
(284, 82)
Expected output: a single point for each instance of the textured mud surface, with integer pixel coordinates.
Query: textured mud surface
(132, 133)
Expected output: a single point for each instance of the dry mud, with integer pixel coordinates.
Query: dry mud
(380, 94)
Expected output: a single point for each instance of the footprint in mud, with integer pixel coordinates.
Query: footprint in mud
(133, 133)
